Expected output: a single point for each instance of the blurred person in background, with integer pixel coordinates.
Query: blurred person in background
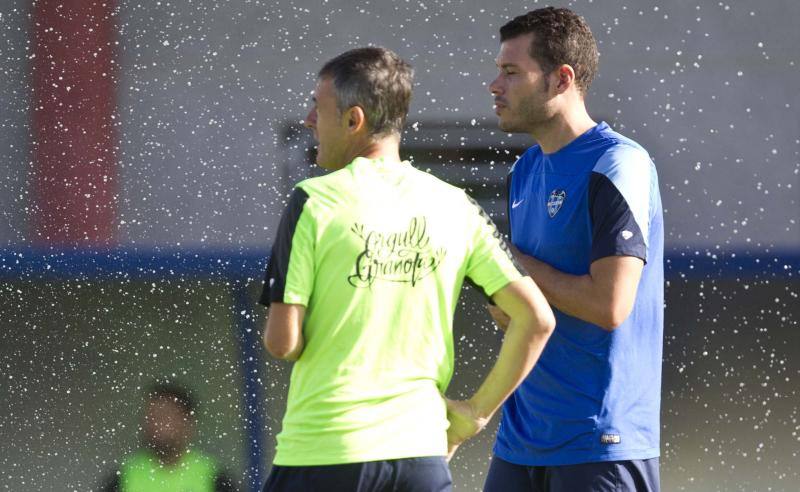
(165, 462)
(585, 214)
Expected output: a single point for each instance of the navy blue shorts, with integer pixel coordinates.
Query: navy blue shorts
(428, 474)
(606, 476)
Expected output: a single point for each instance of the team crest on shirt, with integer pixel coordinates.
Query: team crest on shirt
(555, 201)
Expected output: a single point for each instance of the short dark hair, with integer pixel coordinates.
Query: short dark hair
(378, 81)
(560, 36)
(175, 393)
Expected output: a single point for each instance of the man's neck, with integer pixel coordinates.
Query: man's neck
(170, 459)
(386, 149)
(563, 128)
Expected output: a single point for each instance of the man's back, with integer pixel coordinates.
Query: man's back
(378, 255)
(362, 283)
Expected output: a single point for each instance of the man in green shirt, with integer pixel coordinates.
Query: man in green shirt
(363, 280)
(166, 463)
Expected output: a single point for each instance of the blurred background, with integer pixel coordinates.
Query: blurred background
(147, 149)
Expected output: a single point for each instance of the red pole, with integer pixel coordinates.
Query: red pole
(74, 79)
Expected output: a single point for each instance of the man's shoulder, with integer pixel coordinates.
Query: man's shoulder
(325, 183)
(623, 156)
(143, 456)
(138, 458)
(617, 148)
(196, 456)
(341, 186)
(321, 194)
(428, 181)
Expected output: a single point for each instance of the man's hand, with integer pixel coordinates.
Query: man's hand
(464, 423)
(530, 325)
(499, 316)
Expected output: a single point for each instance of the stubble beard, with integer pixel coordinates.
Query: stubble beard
(531, 113)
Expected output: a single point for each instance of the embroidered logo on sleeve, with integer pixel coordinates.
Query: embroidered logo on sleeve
(626, 235)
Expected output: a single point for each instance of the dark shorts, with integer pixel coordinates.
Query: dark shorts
(428, 474)
(607, 476)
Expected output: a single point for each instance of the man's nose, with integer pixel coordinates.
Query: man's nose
(494, 86)
(311, 119)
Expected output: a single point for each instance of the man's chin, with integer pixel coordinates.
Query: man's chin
(320, 161)
(506, 126)
(325, 165)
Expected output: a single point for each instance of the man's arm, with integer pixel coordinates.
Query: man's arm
(604, 297)
(620, 198)
(289, 279)
(531, 323)
(283, 330)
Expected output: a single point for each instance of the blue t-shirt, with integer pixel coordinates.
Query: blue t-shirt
(594, 395)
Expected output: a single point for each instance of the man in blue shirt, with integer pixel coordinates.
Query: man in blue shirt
(585, 215)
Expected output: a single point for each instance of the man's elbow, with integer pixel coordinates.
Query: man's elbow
(281, 349)
(277, 351)
(272, 348)
(545, 321)
(283, 331)
(613, 317)
(538, 321)
(539, 318)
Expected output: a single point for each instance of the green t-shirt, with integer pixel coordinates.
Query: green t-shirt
(377, 252)
(143, 472)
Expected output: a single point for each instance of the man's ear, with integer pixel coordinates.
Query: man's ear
(564, 78)
(356, 119)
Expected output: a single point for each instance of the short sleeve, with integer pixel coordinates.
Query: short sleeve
(290, 271)
(490, 264)
(619, 203)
